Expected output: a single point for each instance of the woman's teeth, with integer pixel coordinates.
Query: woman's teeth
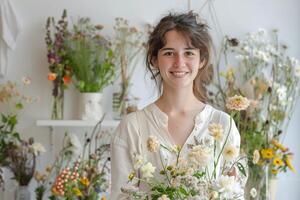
(179, 74)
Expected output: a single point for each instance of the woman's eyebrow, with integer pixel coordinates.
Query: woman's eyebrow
(168, 48)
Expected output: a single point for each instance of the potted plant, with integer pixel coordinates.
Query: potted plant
(128, 44)
(90, 58)
(269, 78)
(60, 73)
(16, 155)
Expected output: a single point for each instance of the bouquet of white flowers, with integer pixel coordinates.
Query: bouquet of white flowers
(210, 169)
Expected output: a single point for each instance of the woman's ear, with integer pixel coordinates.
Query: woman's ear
(154, 62)
(202, 63)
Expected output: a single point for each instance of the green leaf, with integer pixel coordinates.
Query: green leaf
(19, 106)
(241, 168)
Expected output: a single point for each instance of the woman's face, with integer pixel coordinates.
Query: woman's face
(178, 61)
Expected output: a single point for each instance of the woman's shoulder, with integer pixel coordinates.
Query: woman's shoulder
(218, 115)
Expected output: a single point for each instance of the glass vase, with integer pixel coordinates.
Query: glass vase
(119, 105)
(22, 193)
(255, 187)
(57, 102)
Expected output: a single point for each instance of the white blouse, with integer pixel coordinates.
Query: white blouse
(134, 129)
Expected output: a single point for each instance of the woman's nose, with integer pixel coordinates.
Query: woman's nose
(179, 60)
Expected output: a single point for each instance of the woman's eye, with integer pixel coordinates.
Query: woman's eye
(189, 53)
(168, 53)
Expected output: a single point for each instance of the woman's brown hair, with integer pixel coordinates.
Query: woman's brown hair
(190, 26)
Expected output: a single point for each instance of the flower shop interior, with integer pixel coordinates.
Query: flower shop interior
(57, 116)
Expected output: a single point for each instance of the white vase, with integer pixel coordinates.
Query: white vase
(22, 193)
(90, 107)
(272, 188)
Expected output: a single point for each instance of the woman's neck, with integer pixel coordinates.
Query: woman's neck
(174, 102)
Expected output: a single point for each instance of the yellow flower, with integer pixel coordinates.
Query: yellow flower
(278, 145)
(274, 171)
(230, 74)
(216, 131)
(237, 102)
(278, 161)
(131, 176)
(289, 163)
(77, 192)
(103, 198)
(85, 181)
(267, 153)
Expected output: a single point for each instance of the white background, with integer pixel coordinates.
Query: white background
(236, 17)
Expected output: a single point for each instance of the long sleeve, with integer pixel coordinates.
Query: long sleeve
(124, 143)
(10, 27)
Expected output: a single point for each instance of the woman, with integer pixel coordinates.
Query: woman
(179, 51)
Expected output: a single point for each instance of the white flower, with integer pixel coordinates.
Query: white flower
(147, 170)
(237, 102)
(226, 183)
(138, 161)
(281, 93)
(256, 156)
(297, 71)
(294, 61)
(200, 156)
(129, 189)
(163, 197)
(214, 195)
(253, 192)
(26, 80)
(216, 131)
(37, 148)
(262, 31)
(230, 152)
(73, 145)
(152, 144)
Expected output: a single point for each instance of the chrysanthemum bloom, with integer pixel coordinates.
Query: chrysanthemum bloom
(152, 144)
(267, 153)
(256, 156)
(216, 131)
(214, 195)
(237, 102)
(26, 80)
(278, 161)
(52, 76)
(230, 152)
(200, 156)
(163, 197)
(279, 145)
(147, 170)
(253, 192)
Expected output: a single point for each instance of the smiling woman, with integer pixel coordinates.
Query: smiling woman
(175, 128)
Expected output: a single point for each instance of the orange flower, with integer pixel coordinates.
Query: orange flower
(52, 76)
(67, 79)
(289, 163)
(279, 145)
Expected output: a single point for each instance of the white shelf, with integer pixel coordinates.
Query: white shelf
(76, 123)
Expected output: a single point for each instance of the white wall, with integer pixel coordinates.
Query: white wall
(236, 17)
